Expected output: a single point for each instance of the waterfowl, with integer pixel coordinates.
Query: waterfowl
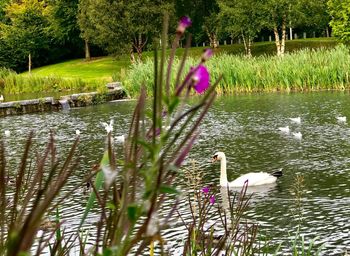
(253, 178)
(284, 129)
(296, 120)
(120, 139)
(341, 119)
(108, 127)
(1, 98)
(297, 135)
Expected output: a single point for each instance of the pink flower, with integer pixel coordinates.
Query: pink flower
(205, 190)
(184, 23)
(207, 54)
(212, 199)
(201, 79)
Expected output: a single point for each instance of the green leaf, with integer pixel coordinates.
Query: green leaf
(174, 103)
(168, 190)
(133, 213)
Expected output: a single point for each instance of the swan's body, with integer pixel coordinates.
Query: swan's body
(297, 135)
(253, 178)
(284, 129)
(108, 127)
(120, 139)
(296, 120)
(341, 119)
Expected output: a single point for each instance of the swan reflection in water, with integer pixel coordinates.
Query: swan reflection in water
(252, 191)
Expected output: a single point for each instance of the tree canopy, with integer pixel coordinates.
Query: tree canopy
(52, 30)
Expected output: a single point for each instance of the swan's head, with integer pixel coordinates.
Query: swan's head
(218, 156)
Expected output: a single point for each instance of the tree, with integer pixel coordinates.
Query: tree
(340, 23)
(121, 26)
(26, 33)
(242, 18)
(62, 15)
(205, 23)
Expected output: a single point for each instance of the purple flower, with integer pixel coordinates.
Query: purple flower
(205, 190)
(184, 23)
(207, 54)
(212, 199)
(201, 79)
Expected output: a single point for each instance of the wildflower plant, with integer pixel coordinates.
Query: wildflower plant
(218, 228)
(130, 204)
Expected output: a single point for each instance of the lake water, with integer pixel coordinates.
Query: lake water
(245, 127)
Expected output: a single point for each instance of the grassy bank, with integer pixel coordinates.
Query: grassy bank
(81, 75)
(302, 70)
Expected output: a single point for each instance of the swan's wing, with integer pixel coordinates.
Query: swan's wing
(254, 179)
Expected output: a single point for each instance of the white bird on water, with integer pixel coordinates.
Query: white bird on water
(253, 178)
(1, 98)
(341, 119)
(108, 127)
(296, 120)
(284, 129)
(120, 139)
(7, 133)
(297, 135)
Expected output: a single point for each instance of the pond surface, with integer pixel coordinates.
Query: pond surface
(245, 127)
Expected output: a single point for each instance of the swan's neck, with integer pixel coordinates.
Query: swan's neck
(223, 174)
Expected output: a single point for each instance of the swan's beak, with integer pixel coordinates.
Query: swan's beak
(214, 159)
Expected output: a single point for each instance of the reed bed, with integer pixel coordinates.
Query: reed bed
(305, 70)
(12, 83)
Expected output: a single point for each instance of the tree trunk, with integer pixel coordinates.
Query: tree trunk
(87, 50)
(29, 63)
(132, 56)
(283, 43)
(247, 42)
(327, 32)
(277, 40)
(280, 43)
(213, 39)
(249, 53)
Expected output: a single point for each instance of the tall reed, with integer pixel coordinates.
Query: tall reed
(12, 83)
(305, 70)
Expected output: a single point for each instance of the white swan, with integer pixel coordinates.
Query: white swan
(108, 127)
(296, 120)
(284, 129)
(254, 178)
(120, 139)
(297, 135)
(341, 119)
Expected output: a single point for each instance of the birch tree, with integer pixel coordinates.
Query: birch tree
(242, 18)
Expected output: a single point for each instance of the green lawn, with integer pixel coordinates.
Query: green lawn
(101, 68)
(104, 68)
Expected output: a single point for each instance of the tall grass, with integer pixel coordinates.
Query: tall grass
(12, 83)
(306, 70)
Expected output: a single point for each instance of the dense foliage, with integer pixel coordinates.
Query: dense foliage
(53, 30)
